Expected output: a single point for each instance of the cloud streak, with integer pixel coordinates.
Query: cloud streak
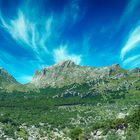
(36, 34)
(25, 33)
(131, 59)
(132, 4)
(133, 40)
(128, 54)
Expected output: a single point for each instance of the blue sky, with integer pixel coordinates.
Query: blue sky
(35, 34)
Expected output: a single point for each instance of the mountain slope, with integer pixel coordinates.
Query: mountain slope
(7, 81)
(6, 77)
(66, 73)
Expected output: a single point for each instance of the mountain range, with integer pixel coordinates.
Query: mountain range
(67, 73)
(71, 102)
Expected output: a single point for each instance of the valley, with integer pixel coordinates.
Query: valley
(103, 105)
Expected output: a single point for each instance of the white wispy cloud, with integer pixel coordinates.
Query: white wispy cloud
(18, 28)
(26, 34)
(131, 59)
(131, 43)
(49, 26)
(37, 34)
(136, 64)
(62, 54)
(133, 39)
(132, 4)
(23, 30)
(75, 10)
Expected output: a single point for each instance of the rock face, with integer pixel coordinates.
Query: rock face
(67, 72)
(135, 70)
(6, 79)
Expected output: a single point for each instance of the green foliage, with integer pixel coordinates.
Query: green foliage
(76, 133)
(23, 133)
(134, 119)
(51, 107)
(113, 136)
(9, 130)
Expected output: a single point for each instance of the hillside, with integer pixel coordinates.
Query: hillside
(72, 102)
(7, 81)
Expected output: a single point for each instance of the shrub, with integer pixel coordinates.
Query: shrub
(75, 133)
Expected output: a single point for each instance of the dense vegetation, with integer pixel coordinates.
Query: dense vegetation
(78, 117)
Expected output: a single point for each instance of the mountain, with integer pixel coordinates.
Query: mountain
(67, 73)
(7, 81)
(6, 78)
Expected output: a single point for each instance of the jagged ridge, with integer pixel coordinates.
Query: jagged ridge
(66, 73)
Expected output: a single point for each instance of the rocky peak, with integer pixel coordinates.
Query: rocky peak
(67, 72)
(63, 64)
(116, 66)
(135, 70)
(50, 74)
(2, 70)
(6, 77)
